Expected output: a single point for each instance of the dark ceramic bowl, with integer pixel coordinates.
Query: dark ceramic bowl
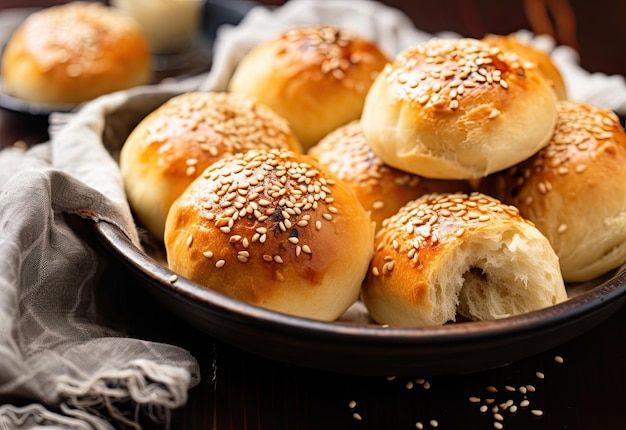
(350, 347)
(369, 349)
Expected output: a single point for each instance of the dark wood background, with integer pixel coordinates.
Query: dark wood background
(243, 391)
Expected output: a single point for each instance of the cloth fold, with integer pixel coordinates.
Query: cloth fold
(56, 347)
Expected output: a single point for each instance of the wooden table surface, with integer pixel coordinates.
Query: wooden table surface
(580, 384)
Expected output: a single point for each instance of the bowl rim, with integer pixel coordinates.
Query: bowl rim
(611, 289)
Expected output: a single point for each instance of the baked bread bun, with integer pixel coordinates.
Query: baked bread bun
(458, 109)
(539, 58)
(574, 191)
(444, 254)
(74, 52)
(314, 76)
(274, 229)
(171, 146)
(381, 189)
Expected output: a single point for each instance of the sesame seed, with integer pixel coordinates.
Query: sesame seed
(540, 375)
(498, 425)
(558, 359)
(474, 399)
(208, 254)
(537, 412)
(498, 417)
(524, 403)
(173, 279)
(434, 423)
(220, 263)
(483, 408)
(357, 416)
(419, 425)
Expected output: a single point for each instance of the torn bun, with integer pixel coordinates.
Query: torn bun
(449, 254)
(272, 228)
(458, 109)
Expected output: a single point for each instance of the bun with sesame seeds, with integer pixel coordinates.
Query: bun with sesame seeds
(445, 255)
(458, 109)
(274, 229)
(381, 189)
(74, 52)
(573, 190)
(314, 76)
(171, 146)
(534, 55)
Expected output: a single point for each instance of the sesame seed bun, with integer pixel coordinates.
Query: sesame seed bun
(535, 56)
(274, 229)
(314, 76)
(573, 190)
(171, 146)
(381, 189)
(444, 254)
(458, 109)
(74, 52)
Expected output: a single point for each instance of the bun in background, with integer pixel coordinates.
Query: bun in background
(73, 53)
(314, 76)
(540, 58)
(381, 189)
(458, 109)
(274, 229)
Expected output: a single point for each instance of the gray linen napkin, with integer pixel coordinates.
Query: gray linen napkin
(54, 347)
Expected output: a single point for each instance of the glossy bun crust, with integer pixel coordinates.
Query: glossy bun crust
(314, 76)
(539, 58)
(574, 190)
(74, 52)
(171, 146)
(273, 229)
(381, 189)
(444, 254)
(458, 109)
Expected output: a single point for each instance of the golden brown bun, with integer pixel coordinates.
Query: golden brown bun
(177, 141)
(539, 58)
(381, 189)
(444, 254)
(458, 109)
(315, 76)
(574, 191)
(274, 229)
(74, 52)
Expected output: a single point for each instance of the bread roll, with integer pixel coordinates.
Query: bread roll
(539, 58)
(381, 189)
(574, 190)
(444, 254)
(74, 52)
(173, 145)
(314, 76)
(274, 229)
(458, 109)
